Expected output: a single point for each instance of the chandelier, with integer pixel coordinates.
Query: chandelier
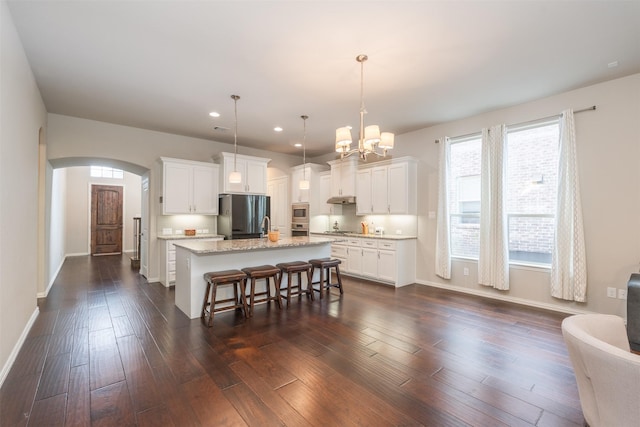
(370, 140)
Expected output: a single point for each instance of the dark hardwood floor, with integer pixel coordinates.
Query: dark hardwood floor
(110, 349)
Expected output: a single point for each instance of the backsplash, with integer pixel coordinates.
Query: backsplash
(176, 224)
(348, 221)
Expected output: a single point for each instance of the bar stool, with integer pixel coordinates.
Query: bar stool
(218, 278)
(292, 268)
(326, 264)
(263, 272)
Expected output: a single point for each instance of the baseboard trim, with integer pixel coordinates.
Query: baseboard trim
(52, 280)
(515, 300)
(16, 348)
(77, 254)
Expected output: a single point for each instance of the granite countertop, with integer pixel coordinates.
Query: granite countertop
(183, 237)
(368, 236)
(245, 245)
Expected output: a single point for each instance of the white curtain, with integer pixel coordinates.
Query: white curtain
(443, 242)
(568, 261)
(493, 259)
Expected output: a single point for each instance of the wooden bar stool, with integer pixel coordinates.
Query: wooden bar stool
(292, 268)
(263, 272)
(218, 278)
(325, 265)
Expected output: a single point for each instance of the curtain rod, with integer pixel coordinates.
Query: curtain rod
(592, 108)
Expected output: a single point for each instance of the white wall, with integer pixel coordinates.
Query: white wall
(78, 208)
(71, 137)
(57, 226)
(22, 115)
(608, 149)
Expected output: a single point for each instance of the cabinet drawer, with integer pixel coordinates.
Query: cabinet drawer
(171, 266)
(171, 256)
(354, 242)
(338, 251)
(369, 243)
(172, 277)
(387, 244)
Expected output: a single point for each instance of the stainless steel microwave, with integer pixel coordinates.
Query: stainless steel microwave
(300, 213)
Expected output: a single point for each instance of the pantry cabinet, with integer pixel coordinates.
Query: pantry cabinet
(189, 187)
(253, 171)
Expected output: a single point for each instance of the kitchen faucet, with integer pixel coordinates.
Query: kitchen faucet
(266, 220)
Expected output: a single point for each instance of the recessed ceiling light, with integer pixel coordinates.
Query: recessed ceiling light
(214, 114)
(613, 64)
(277, 129)
(297, 144)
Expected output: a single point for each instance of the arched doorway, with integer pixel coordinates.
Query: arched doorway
(80, 193)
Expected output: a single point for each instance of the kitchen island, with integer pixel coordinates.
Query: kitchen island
(194, 258)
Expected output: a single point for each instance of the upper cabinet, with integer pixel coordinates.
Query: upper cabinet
(189, 187)
(310, 172)
(252, 169)
(387, 187)
(343, 177)
(324, 191)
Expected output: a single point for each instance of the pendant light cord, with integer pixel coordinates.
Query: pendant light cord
(304, 148)
(235, 130)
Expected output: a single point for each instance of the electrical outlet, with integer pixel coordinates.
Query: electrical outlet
(611, 292)
(465, 271)
(622, 294)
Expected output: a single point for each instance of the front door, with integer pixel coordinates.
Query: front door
(106, 219)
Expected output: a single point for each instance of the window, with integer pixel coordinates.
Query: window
(531, 193)
(464, 196)
(106, 172)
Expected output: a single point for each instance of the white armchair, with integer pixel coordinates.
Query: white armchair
(607, 373)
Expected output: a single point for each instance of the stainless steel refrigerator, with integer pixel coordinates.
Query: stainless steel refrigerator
(240, 215)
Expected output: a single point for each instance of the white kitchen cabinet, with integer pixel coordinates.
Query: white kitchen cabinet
(253, 171)
(387, 187)
(168, 258)
(339, 251)
(380, 190)
(278, 190)
(354, 256)
(382, 260)
(324, 195)
(369, 259)
(387, 265)
(363, 192)
(311, 172)
(189, 187)
(343, 177)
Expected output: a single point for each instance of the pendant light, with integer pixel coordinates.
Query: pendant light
(304, 183)
(235, 177)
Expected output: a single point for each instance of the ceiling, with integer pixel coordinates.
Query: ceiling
(164, 65)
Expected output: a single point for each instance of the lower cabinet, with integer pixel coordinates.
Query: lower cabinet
(168, 259)
(382, 260)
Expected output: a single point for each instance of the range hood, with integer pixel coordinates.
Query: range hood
(342, 200)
